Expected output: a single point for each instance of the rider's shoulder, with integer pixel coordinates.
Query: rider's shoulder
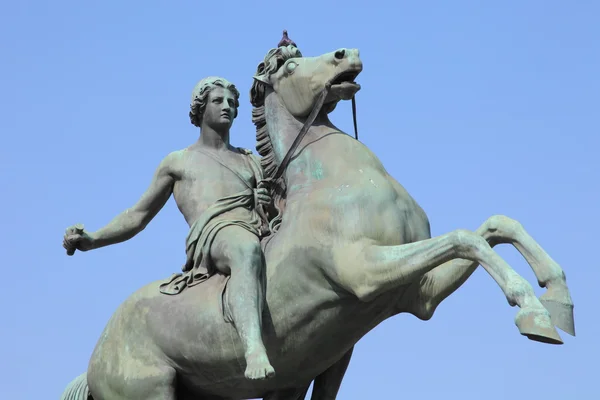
(248, 152)
(244, 151)
(175, 155)
(173, 158)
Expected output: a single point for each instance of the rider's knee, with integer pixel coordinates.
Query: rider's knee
(248, 253)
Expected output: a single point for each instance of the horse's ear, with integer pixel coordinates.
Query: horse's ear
(260, 74)
(263, 79)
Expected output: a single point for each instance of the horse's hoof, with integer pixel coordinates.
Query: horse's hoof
(561, 314)
(537, 325)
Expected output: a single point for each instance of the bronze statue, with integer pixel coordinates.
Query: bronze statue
(348, 248)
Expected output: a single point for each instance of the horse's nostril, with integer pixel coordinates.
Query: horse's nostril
(340, 54)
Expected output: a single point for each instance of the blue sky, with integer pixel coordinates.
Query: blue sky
(476, 110)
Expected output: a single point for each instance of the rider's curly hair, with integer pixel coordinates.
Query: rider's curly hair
(200, 96)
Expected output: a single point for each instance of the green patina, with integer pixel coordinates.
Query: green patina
(317, 170)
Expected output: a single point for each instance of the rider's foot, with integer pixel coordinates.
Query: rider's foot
(258, 366)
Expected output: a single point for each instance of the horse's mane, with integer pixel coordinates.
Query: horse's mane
(274, 59)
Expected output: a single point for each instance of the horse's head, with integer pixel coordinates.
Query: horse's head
(298, 80)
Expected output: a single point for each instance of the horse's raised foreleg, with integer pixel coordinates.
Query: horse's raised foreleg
(370, 270)
(442, 281)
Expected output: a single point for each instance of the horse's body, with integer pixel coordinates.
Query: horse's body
(311, 322)
(352, 251)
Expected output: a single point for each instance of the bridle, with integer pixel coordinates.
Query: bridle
(285, 41)
(307, 124)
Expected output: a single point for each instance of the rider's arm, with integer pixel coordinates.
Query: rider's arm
(269, 209)
(133, 220)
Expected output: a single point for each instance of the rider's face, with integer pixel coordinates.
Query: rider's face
(220, 109)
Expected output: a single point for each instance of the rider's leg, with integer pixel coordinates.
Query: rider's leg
(237, 252)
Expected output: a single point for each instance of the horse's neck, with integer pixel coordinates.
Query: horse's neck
(283, 128)
(280, 126)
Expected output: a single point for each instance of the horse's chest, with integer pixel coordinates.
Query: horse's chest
(382, 213)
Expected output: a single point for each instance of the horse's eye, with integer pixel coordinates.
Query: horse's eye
(290, 67)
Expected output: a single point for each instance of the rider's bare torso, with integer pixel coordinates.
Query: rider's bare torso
(200, 180)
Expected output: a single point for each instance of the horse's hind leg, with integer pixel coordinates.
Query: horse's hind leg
(136, 382)
(374, 270)
(326, 385)
(442, 281)
(288, 394)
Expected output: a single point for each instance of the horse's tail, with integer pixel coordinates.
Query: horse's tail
(77, 389)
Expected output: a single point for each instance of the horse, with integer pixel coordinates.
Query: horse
(350, 249)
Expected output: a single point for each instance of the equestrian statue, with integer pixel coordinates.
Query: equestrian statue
(292, 257)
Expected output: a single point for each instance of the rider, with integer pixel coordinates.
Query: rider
(218, 189)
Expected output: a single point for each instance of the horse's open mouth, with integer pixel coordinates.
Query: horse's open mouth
(343, 86)
(345, 77)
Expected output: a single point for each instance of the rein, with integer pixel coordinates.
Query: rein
(309, 121)
(354, 117)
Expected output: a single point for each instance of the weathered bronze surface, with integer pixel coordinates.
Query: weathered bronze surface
(285, 275)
